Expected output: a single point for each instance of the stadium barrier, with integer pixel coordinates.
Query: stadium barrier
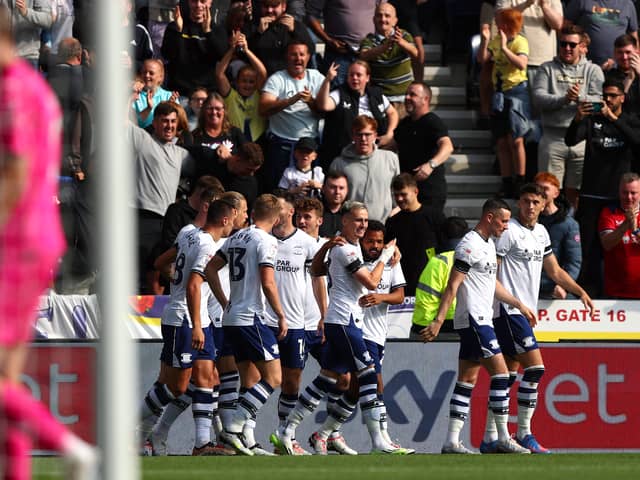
(585, 404)
(78, 317)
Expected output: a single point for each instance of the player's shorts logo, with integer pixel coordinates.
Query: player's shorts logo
(367, 357)
(275, 349)
(494, 344)
(528, 341)
(185, 358)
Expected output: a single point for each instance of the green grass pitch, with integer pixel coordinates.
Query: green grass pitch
(607, 466)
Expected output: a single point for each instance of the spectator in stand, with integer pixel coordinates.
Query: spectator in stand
(196, 100)
(29, 18)
(433, 280)
(160, 164)
(423, 146)
(275, 30)
(141, 46)
(612, 148)
(62, 26)
(511, 112)
(161, 14)
(604, 21)
(304, 179)
(390, 51)
(369, 169)
(242, 102)
(558, 87)
(288, 101)
(564, 233)
(152, 94)
(620, 239)
(349, 100)
(627, 57)
(417, 228)
(485, 84)
(407, 11)
(191, 49)
(334, 194)
(341, 25)
(237, 172)
(216, 140)
(541, 19)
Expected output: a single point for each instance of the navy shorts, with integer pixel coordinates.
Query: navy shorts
(223, 348)
(252, 343)
(314, 346)
(377, 354)
(514, 333)
(346, 350)
(176, 349)
(292, 348)
(478, 341)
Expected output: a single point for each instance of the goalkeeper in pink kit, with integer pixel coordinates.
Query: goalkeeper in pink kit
(31, 242)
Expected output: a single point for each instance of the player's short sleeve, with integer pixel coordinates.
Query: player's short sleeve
(397, 277)
(348, 258)
(205, 251)
(312, 248)
(504, 243)
(267, 251)
(464, 256)
(547, 242)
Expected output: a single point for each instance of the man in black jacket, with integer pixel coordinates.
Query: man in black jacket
(612, 148)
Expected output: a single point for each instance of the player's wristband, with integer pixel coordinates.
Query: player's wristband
(386, 254)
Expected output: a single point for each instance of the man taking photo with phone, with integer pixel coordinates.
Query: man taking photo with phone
(612, 148)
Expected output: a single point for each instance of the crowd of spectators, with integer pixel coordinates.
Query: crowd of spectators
(232, 95)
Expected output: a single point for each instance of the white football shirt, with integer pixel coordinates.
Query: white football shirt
(295, 254)
(311, 309)
(521, 251)
(245, 252)
(194, 250)
(215, 309)
(375, 326)
(344, 289)
(475, 294)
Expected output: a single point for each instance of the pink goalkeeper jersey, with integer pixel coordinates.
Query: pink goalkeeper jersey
(31, 240)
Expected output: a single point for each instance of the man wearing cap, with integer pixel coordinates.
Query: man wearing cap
(303, 178)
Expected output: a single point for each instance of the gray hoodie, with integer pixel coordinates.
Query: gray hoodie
(369, 178)
(26, 30)
(551, 84)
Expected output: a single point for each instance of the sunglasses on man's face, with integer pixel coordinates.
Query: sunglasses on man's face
(564, 44)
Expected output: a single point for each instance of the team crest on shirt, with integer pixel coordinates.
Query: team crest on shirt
(528, 341)
(185, 358)
(298, 250)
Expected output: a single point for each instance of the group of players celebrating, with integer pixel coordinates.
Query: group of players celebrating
(226, 350)
(219, 332)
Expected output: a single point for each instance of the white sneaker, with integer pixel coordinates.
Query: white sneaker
(456, 448)
(233, 440)
(511, 446)
(298, 450)
(337, 443)
(261, 452)
(409, 451)
(283, 444)
(158, 444)
(318, 444)
(389, 449)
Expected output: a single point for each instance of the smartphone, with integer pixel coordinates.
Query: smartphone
(597, 107)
